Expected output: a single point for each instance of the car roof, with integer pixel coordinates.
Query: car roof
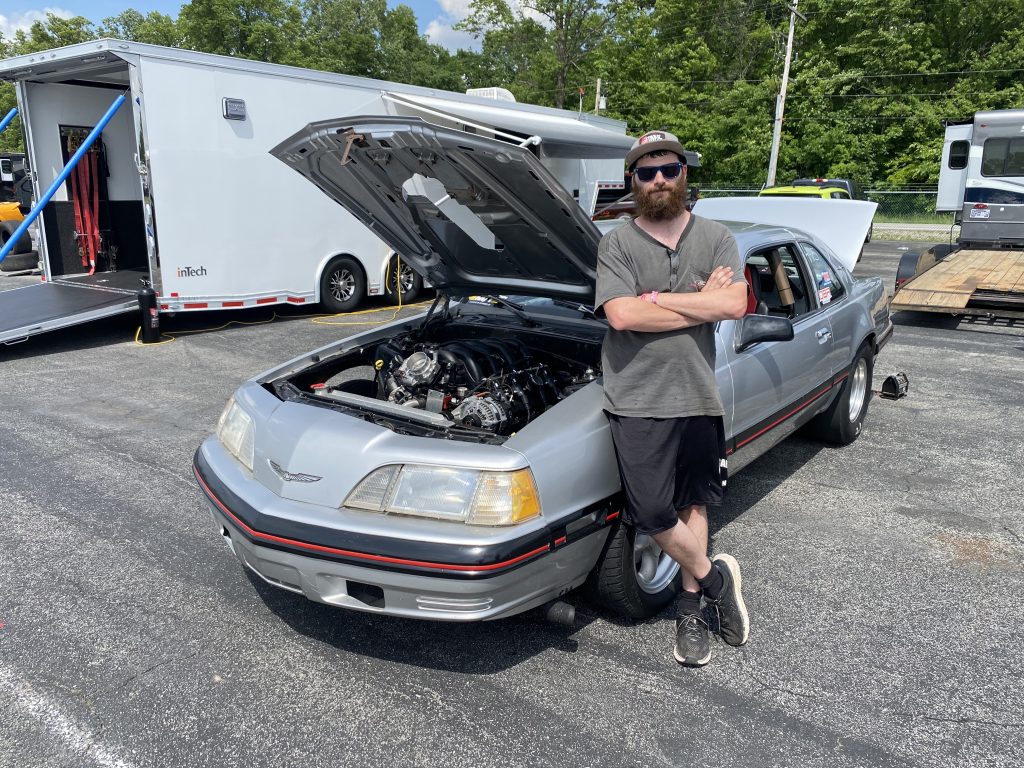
(749, 236)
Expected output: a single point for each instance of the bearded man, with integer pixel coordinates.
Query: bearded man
(664, 279)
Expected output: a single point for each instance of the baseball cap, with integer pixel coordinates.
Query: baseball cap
(655, 141)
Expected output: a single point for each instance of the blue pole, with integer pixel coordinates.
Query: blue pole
(62, 178)
(7, 120)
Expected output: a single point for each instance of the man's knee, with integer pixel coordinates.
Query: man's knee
(693, 509)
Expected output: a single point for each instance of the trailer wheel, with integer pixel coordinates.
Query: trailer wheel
(634, 578)
(7, 230)
(409, 280)
(342, 285)
(841, 423)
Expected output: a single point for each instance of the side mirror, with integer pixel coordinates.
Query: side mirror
(754, 328)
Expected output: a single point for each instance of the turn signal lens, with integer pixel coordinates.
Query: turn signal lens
(505, 498)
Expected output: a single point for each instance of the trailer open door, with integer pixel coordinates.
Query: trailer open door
(34, 309)
(93, 240)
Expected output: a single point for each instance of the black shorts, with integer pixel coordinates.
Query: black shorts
(667, 465)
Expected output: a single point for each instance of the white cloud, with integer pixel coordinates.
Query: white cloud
(457, 9)
(23, 20)
(441, 33)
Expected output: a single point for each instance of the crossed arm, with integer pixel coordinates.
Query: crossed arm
(719, 299)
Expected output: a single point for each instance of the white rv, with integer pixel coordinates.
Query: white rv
(981, 182)
(181, 191)
(981, 179)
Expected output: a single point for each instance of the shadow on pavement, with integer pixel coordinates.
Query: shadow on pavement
(477, 648)
(488, 647)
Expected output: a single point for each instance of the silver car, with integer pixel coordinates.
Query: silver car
(458, 465)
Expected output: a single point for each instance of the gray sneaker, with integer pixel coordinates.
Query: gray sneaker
(733, 621)
(693, 645)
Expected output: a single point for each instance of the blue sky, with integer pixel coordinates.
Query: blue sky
(435, 16)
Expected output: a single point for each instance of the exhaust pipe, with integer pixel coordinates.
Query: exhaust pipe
(561, 613)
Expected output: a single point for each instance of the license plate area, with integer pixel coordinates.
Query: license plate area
(979, 213)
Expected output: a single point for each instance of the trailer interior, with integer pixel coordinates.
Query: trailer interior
(92, 232)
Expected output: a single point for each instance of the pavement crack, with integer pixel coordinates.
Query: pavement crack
(131, 678)
(970, 721)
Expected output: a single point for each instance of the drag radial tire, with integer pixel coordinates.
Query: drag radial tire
(633, 577)
(7, 230)
(408, 278)
(342, 285)
(841, 423)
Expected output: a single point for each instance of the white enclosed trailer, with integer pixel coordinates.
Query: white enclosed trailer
(184, 194)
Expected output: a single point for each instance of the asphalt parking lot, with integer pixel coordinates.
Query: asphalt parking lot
(884, 582)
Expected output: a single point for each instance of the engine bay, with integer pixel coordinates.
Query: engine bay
(459, 383)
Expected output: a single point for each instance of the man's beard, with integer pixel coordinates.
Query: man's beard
(660, 207)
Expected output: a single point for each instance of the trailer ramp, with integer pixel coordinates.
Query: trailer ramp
(968, 282)
(35, 309)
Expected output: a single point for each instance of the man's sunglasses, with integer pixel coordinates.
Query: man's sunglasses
(668, 171)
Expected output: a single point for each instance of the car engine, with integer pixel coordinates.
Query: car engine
(495, 385)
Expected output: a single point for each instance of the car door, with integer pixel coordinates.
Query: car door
(831, 292)
(774, 382)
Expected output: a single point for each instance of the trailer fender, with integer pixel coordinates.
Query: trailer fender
(914, 263)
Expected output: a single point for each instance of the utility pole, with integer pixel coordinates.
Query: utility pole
(780, 100)
(597, 98)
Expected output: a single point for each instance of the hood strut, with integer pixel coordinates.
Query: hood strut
(441, 297)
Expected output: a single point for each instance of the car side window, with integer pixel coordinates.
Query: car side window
(825, 283)
(772, 290)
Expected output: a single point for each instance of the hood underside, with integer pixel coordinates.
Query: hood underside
(469, 213)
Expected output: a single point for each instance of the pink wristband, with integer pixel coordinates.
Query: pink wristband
(654, 297)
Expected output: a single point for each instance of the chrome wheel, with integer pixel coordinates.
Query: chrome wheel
(406, 279)
(342, 285)
(654, 569)
(858, 388)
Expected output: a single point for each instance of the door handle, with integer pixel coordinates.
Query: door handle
(823, 335)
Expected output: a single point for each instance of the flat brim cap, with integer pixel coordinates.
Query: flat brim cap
(655, 141)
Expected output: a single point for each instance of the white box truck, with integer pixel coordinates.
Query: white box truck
(981, 182)
(181, 191)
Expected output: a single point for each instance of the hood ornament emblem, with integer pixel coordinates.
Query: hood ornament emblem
(294, 477)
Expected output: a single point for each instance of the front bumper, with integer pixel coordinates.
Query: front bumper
(409, 578)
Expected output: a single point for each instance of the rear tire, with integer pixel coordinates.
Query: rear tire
(842, 422)
(410, 281)
(7, 230)
(342, 285)
(634, 578)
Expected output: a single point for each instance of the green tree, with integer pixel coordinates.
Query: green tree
(265, 30)
(154, 28)
(542, 46)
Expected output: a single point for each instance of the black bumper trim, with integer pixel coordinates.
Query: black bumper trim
(392, 554)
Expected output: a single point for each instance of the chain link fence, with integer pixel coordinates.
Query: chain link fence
(903, 214)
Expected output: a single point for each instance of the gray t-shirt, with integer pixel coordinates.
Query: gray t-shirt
(671, 373)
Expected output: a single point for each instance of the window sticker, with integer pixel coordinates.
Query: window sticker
(824, 279)
(825, 295)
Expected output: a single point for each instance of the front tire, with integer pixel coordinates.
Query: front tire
(842, 422)
(634, 578)
(342, 285)
(406, 278)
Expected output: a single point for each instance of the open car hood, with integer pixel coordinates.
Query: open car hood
(469, 213)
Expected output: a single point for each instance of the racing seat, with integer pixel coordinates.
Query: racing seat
(754, 304)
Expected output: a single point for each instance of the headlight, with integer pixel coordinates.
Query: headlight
(468, 496)
(235, 432)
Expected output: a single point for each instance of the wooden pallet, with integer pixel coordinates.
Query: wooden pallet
(950, 284)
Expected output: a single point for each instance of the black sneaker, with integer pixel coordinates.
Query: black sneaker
(693, 645)
(733, 621)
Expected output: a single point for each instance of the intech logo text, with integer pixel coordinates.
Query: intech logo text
(191, 271)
